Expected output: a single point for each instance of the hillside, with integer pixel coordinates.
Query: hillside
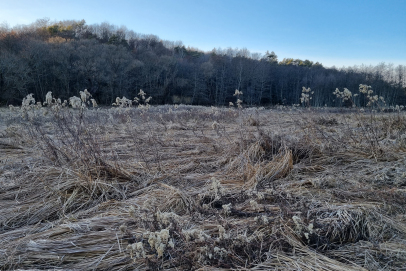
(69, 56)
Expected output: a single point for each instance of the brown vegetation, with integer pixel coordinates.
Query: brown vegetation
(194, 188)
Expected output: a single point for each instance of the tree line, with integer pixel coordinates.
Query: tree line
(109, 61)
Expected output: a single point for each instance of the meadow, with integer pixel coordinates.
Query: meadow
(177, 187)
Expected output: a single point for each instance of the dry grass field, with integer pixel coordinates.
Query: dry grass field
(195, 188)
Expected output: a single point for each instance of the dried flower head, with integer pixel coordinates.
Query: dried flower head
(28, 100)
(227, 208)
(216, 187)
(94, 103)
(237, 92)
(222, 232)
(75, 102)
(239, 102)
(215, 125)
(84, 95)
(123, 102)
(123, 228)
(306, 96)
(48, 98)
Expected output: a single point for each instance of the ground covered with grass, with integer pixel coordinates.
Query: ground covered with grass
(196, 188)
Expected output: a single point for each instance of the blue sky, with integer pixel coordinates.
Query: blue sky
(333, 32)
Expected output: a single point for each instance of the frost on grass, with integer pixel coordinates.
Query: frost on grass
(187, 188)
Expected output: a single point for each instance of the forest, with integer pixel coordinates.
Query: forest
(109, 61)
(176, 184)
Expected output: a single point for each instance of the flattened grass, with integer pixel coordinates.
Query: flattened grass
(285, 189)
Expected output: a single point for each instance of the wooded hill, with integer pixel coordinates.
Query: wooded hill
(69, 56)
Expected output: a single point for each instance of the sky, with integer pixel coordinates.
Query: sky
(333, 32)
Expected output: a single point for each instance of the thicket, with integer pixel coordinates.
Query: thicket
(69, 56)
